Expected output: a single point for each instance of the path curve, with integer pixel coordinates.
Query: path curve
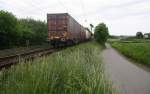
(126, 76)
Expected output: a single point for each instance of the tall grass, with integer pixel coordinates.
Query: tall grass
(137, 51)
(75, 70)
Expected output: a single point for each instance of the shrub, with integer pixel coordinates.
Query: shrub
(9, 33)
(101, 33)
(33, 30)
(139, 35)
(17, 32)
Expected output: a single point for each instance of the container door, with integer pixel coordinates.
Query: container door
(61, 23)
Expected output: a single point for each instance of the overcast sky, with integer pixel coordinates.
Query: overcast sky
(123, 17)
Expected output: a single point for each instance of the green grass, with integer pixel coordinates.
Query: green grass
(75, 70)
(129, 40)
(139, 52)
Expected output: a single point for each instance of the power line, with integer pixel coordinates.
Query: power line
(23, 9)
(67, 10)
(83, 9)
(37, 8)
(63, 5)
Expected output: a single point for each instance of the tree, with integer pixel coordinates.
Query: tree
(35, 31)
(9, 33)
(18, 32)
(91, 25)
(101, 33)
(139, 35)
(27, 34)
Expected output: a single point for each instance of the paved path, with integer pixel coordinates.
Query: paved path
(126, 76)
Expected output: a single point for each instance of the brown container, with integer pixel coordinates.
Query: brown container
(63, 27)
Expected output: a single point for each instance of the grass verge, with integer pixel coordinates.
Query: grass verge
(75, 70)
(139, 52)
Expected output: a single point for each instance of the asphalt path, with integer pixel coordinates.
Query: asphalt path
(126, 77)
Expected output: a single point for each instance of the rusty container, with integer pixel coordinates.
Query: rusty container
(57, 26)
(63, 27)
(82, 33)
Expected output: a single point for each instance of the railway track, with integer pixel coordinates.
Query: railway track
(6, 62)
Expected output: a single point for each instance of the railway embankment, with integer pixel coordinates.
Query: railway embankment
(20, 50)
(77, 69)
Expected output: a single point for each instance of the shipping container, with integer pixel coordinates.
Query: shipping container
(62, 28)
(88, 34)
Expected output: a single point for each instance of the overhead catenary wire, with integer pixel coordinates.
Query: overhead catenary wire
(59, 1)
(66, 8)
(23, 9)
(62, 4)
(83, 10)
(37, 9)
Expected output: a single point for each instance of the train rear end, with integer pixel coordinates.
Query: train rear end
(64, 30)
(57, 28)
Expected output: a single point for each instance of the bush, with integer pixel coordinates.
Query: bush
(34, 31)
(139, 35)
(19, 32)
(9, 33)
(101, 33)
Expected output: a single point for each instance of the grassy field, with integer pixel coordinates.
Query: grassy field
(139, 52)
(75, 70)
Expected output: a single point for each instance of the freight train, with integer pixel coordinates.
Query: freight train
(65, 30)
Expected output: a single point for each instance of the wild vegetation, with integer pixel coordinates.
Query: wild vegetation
(75, 70)
(139, 51)
(20, 32)
(101, 33)
(139, 35)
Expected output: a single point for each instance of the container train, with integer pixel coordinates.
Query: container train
(65, 30)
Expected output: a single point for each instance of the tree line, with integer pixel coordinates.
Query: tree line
(27, 31)
(140, 35)
(21, 32)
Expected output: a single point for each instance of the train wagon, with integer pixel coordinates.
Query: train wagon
(64, 29)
